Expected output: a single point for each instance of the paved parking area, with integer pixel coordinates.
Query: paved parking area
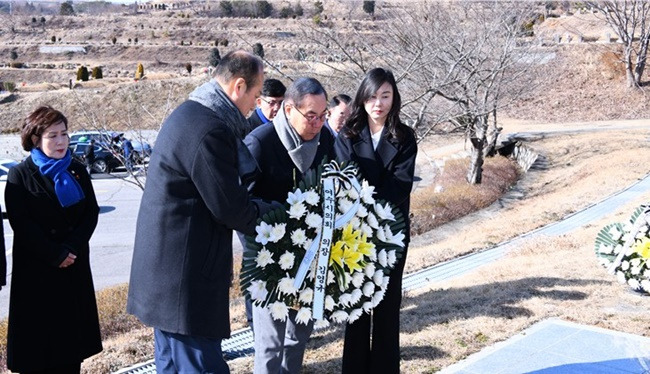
(556, 346)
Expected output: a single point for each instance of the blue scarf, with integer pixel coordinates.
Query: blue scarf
(67, 190)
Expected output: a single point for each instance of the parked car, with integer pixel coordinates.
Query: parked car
(141, 150)
(5, 165)
(105, 159)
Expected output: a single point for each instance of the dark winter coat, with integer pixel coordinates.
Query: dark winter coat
(52, 311)
(193, 199)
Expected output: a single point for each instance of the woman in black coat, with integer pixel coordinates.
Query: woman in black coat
(51, 205)
(384, 149)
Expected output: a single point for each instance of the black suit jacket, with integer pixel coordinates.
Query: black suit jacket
(390, 168)
(255, 121)
(3, 258)
(52, 306)
(193, 199)
(277, 170)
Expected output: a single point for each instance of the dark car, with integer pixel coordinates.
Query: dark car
(105, 160)
(141, 150)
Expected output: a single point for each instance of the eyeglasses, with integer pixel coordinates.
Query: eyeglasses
(272, 102)
(312, 117)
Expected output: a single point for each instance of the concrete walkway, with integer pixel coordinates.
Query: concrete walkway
(556, 346)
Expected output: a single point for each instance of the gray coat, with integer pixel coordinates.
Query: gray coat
(182, 259)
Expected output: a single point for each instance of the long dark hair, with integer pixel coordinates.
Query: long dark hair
(358, 119)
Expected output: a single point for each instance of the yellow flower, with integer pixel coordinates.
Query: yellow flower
(365, 247)
(336, 254)
(349, 237)
(643, 248)
(352, 259)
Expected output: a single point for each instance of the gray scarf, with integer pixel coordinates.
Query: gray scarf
(211, 95)
(302, 152)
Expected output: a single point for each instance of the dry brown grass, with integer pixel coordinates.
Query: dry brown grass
(456, 198)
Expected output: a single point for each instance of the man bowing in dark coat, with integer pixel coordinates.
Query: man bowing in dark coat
(193, 199)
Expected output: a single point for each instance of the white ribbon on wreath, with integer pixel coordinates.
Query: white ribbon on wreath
(331, 180)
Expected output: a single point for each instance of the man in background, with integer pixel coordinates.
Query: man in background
(268, 104)
(339, 109)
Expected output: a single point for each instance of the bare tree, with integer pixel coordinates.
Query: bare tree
(455, 62)
(630, 20)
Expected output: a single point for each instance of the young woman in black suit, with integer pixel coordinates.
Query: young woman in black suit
(53, 321)
(384, 148)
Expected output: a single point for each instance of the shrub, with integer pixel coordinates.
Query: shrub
(226, 8)
(182, 42)
(17, 65)
(9, 86)
(300, 55)
(129, 40)
(286, 12)
(114, 40)
(97, 73)
(188, 67)
(263, 9)
(317, 20)
(135, 40)
(215, 57)
(139, 72)
(258, 49)
(369, 7)
(13, 55)
(82, 74)
(298, 11)
(224, 42)
(53, 38)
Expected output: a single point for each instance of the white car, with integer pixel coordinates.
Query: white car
(5, 165)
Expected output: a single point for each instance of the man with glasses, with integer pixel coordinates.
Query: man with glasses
(285, 150)
(268, 104)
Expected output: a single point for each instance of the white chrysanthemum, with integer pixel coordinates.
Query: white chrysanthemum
(277, 232)
(367, 230)
(356, 296)
(377, 297)
(345, 299)
(339, 316)
(645, 284)
(263, 233)
(303, 316)
(311, 197)
(373, 254)
(362, 211)
(306, 296)
(366, 193)
(264, 257)
(295, 197)
(297, 210)
(257, 289)
(298, 237)
(625, 265)
(330, 277)
(382, 258)
(313, 220)
(378, 277)
(347, 279)
(353, 194)
(392, 258)
(372, 221)
(286, 260)
(344, 205)
(329, 303)
(636, 262)
(285, 285)
(384, 284)
(354, 315)
(384, 212)
(618, 249)
(367, 306)
(634, 283)
(368, 289)
(279, 311)
(615, 233)
(369, 270)
(605, 249)
(321, 324)
(620, 277)
(355, 222)
(357, 279)
(635, 270)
